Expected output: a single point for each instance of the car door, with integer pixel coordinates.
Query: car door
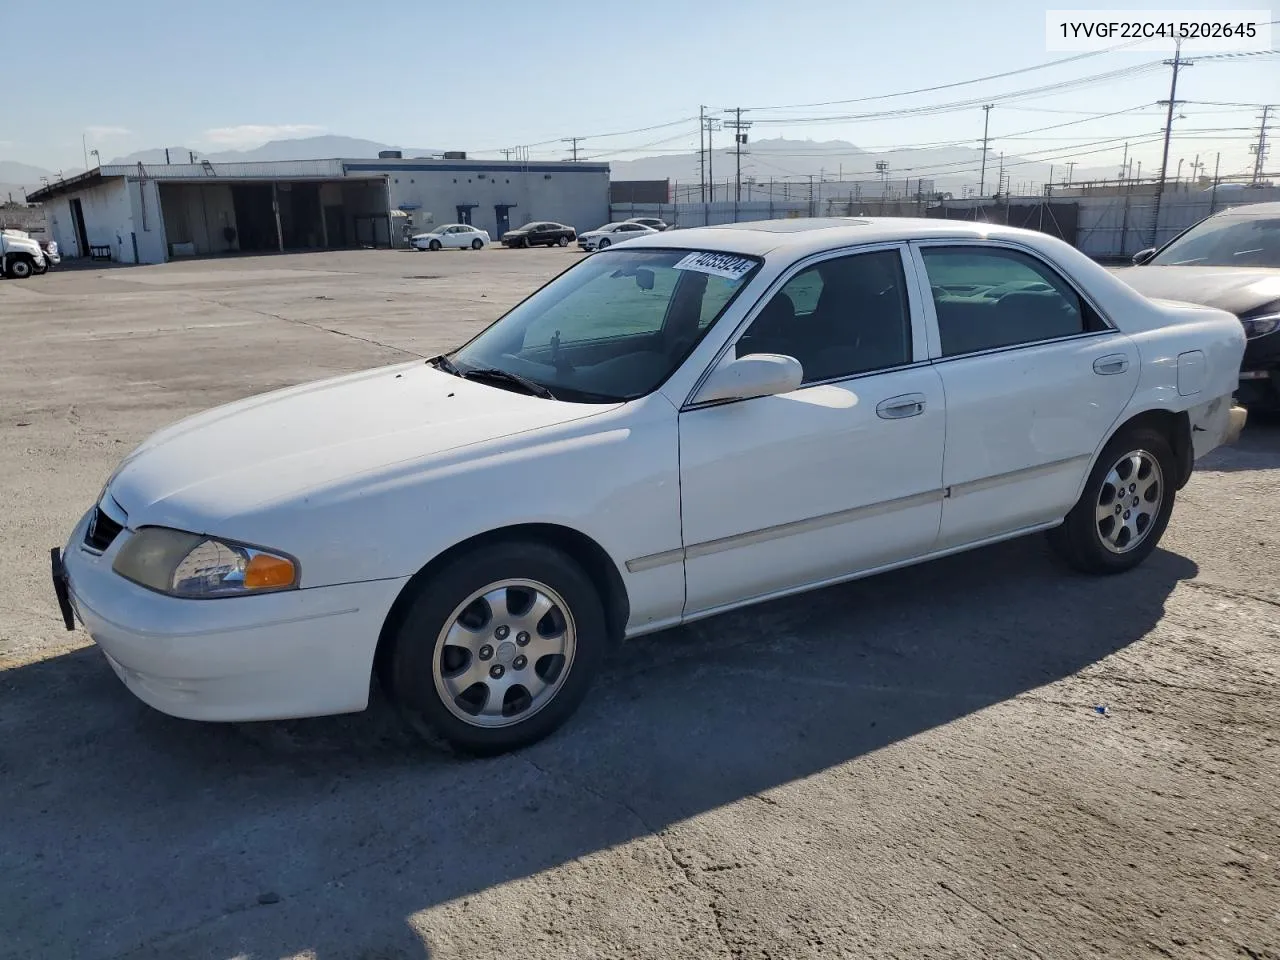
(843, 474)
(1035, 378)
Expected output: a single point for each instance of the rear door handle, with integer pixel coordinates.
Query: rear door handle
(896, 408)
(1112, 363)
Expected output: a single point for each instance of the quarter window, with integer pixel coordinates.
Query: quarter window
(991, 298)
(840, 317)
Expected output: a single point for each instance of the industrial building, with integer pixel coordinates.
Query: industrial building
(150, 213)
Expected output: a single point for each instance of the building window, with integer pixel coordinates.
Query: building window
(411, 180)
(397, 180)
(508, 181)
(455, 179)
(546, 176)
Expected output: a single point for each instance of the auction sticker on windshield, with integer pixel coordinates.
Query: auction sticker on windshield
(725, 265)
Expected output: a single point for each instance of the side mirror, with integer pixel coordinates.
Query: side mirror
(755, 375)
(1142, 256)
(644, 278)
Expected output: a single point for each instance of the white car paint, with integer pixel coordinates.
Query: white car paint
(613, 233)
(457, 236)
(365, 478)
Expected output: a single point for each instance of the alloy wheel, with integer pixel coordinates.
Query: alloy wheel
(1129, 501)
(504, 653)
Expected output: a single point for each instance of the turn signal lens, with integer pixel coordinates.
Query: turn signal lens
(267, 571)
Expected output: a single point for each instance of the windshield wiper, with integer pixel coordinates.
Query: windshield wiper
(493, 374)
(444, 363)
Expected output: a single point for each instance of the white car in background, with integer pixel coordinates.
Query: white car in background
(611, 233)
(459, 236)
(687, 424)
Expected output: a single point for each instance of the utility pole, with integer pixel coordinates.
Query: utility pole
(739, 140)
(574, 141)
(1000, 177)
(507, 152)
(702, 152)
(986, 120)
(711, 170)
(1260, 148)
(85, 148)
(1124, 159)
(1213, 194)
(1177, 63)
(1071, 171)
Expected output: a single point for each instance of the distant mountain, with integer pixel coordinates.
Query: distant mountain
(19, 179)
(305, 148)
(950, 168)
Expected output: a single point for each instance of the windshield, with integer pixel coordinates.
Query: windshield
(1227, 241)
(614, 326)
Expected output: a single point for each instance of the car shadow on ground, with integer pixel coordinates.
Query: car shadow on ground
(130, 834)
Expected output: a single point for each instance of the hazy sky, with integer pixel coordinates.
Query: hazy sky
(479, 76)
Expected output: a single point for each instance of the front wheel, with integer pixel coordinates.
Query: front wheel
(1125, 506)
(434, 245)
(603, 243)
(477, 243)
(20, 268)
(497, 649)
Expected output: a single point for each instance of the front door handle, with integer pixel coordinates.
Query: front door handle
(1112, 363)
(896, 408)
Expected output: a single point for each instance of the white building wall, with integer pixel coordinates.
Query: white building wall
(108, 219)
(573, 193)
(144, 201)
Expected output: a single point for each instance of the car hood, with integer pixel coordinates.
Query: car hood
(516, 233)
(282, 445)
(1237, 289)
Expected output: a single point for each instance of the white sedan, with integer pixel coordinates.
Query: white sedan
(691, 423)
(460, 236)
(611, 233)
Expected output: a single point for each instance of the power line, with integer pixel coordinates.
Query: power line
(927, 110)
(950, 86)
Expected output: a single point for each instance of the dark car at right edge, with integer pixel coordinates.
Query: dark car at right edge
(1230, 260)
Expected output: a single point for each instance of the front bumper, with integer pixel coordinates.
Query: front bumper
(298, 653)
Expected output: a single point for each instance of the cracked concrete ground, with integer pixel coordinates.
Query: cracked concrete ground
(908, 766)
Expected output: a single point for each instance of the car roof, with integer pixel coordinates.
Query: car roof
(801, 236)
(1271, 209)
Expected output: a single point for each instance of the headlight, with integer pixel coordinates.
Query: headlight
(1260, 326)
(190, 565)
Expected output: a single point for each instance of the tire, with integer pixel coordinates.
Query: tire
(443, 689)
(42, 269)
(477, 243)
(563, 242)
(434, 245)
(1105, 533)
(604, 242)
(20, 268)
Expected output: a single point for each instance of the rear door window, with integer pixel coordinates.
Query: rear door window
(993, 297)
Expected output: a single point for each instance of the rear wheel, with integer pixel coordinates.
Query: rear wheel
(1125, 506)
(563, 241)
(497, 649)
